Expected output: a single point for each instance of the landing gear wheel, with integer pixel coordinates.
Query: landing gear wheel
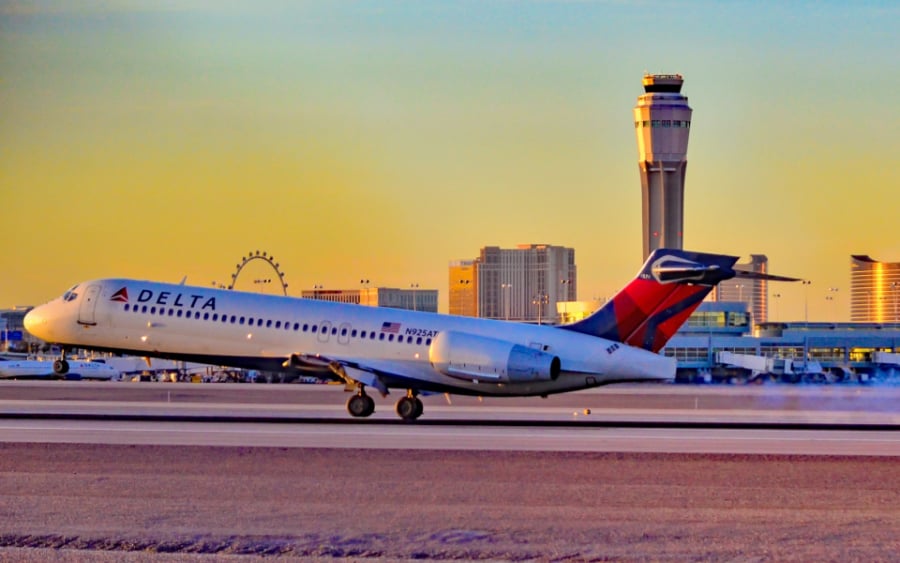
(360, 406)
(61, 367)
(409, 408)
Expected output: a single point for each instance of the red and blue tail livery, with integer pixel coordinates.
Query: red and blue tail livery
(647, 312)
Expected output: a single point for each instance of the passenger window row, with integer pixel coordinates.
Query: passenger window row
(268, 323)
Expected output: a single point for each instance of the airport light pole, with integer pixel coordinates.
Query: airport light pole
(506, 287)
(831, 297)
(806, 284)
(460, 299)
(776, 297)
(565, 284)
(316, 289)
(539, 300)
(414, 287)
(364, 291)
(262, 282)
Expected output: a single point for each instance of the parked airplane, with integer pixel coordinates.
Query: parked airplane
(390, 348)
(44, 369)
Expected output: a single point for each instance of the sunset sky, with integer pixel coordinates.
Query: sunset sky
(381, 140)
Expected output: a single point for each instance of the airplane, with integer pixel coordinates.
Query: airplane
(384, 348)
(44, 369)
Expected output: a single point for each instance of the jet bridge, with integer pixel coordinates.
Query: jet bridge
(756, 365)
(887, 359)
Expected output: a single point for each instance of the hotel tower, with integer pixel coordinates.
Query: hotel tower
(662, 121)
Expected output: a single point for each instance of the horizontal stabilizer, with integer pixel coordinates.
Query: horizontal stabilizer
(744, 274)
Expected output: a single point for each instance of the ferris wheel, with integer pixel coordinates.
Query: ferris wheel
(268, 259)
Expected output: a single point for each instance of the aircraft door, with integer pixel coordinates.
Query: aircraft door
(88, 305)
(324, 331)
(344, 334)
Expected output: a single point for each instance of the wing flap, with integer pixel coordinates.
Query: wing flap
(370, 372)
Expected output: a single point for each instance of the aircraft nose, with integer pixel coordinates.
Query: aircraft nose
(34, 321)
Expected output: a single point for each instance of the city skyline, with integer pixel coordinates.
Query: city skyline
(383, 140)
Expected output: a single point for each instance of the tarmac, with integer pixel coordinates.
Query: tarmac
(458, 486)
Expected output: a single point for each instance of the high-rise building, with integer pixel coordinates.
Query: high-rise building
(518, 284)
(874, 290)
(463, 288)
(753, 292)
(662, 121)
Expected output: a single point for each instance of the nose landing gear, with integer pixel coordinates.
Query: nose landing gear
(61, 366)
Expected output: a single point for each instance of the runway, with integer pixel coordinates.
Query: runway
(410, 437)
(777, 420)
(516, 479)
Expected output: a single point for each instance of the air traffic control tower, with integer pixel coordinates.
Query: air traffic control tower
(662, 121)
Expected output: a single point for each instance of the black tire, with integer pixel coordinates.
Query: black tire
(420, 408)
(60, 367)
(408, 408)
(370, 405)
(360, 406)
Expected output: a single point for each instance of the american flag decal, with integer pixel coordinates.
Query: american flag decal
(392, 328)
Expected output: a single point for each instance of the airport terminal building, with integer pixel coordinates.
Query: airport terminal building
(13, 336)
(718, 344)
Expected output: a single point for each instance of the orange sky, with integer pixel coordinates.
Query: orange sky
(382, 140)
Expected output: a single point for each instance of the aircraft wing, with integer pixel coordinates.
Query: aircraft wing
(369, 372)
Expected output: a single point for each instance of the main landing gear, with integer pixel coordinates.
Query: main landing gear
(360, 405)
(61, 366)
(409, 407)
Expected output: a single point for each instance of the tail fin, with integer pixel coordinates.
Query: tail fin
(650, 309)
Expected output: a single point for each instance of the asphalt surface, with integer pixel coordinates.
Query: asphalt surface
(98, 501)
(406, 493)
(788, 404)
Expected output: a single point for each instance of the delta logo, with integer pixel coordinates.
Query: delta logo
(121, 296)
(166, 298)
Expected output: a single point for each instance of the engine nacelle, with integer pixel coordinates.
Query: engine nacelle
(467, 356)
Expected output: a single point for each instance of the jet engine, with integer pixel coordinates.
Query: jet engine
(472, 357)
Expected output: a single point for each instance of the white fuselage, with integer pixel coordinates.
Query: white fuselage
(264, 331)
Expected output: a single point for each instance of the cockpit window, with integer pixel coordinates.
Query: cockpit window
(70, 295)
